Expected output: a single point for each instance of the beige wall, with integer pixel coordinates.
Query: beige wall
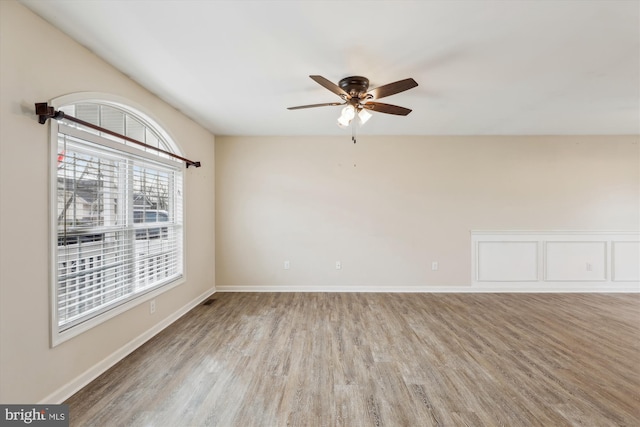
(387, 207)
(39, 63)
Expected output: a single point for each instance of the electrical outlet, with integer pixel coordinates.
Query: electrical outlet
(434, 265)
(287, 265)
(152, 306)
(589, 266)
(338, 265)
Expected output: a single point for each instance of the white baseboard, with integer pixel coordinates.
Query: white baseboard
(550, 287)
(559, 287)
(66, 391)
(342, 288)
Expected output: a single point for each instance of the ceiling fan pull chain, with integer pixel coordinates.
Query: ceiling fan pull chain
(353, 131)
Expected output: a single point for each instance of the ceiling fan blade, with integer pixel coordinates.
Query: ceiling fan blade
(326, 104)
(393, 88)
(327, 84)
(386, 108)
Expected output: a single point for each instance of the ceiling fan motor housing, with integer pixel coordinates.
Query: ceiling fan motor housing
(355, 86)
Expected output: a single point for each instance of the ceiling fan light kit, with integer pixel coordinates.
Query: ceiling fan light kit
(358, 99)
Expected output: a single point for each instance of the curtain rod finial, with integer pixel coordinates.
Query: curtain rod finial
(44, 112)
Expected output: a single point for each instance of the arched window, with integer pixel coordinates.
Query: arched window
(117, 216)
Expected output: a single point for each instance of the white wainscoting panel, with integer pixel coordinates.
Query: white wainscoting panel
(575, 261)
(507, 261)
(625, 261)
(555, 261)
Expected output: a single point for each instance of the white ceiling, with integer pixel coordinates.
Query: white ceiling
(483, 67)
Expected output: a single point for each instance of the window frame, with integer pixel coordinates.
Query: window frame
(58, 336)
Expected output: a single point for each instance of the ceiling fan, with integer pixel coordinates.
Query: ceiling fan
(358, 99)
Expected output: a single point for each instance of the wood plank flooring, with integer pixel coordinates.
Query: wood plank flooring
(346, 359)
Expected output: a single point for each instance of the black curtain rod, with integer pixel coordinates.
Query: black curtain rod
(44, 112)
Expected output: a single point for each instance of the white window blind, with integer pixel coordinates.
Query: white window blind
(119, 220)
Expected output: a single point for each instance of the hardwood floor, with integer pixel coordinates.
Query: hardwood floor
(344, 359)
